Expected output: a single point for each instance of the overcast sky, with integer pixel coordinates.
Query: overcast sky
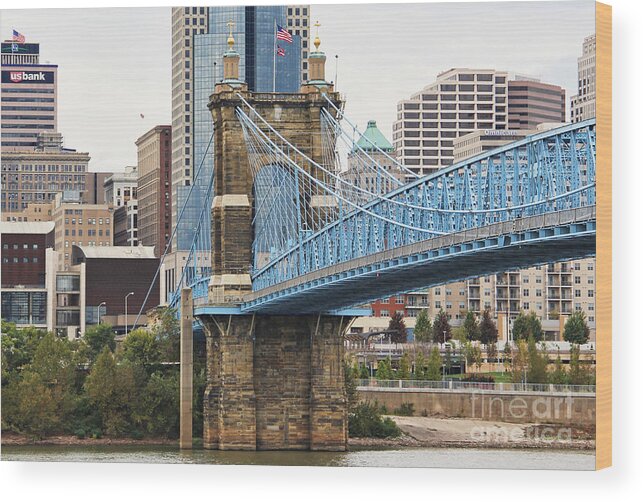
(114, 64)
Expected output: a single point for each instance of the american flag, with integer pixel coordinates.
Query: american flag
(281, 52)
(20, 38)
(283, 34)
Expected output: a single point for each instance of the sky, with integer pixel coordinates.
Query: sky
(115, 63)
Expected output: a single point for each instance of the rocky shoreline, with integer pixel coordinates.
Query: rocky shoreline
(417, 432)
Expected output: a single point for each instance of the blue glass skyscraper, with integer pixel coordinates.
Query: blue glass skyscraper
(254, 31)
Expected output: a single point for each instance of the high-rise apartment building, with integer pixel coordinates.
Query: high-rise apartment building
(552, 291)
(459, 101)
(532, 102)
(154, 188)
(37, 175)
(199, 39)
(583, 104)
(29, 96)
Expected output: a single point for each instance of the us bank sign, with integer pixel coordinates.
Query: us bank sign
(34, 77)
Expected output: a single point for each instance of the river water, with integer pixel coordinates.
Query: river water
(463, 458)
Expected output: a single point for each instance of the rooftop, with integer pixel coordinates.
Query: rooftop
(373, 139)
(117, 252)
(26, 227)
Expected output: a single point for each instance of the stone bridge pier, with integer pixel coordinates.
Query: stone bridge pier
(275, 382)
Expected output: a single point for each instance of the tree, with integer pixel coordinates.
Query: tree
(538, 361)
(559, 375)
(579, 372)
(384, 371)
(111, 388)
(506, 356)
(397, 326)
(99, 336)
(470, 326)
(29, 405)
(167, 330)
(441, 328)
(422, 330)
(520, 362)
(18, 348)
(350, 385)
(528, 325)
(434, 366)
(420, 366)
(488, 330)
(492, 352)
(404, 371)
(142, 348)
(576, 329)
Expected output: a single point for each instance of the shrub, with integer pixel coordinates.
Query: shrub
(405, 410)
(477, 377)
(366, 421)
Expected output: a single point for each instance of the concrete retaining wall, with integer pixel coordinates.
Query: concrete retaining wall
(515, 407)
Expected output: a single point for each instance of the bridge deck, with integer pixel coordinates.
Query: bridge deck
(525, 242)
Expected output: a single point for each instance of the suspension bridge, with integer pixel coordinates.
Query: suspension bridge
(322, 243)
(287, 245)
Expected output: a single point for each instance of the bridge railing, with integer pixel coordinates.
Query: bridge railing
(457, 385)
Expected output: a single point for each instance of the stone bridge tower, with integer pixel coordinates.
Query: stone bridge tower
(273, 381)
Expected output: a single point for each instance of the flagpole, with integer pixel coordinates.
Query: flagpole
(274, 56)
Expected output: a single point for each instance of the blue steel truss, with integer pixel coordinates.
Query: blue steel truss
(322, 244)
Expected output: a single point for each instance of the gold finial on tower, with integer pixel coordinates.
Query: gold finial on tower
(230, 37)
(317, 42)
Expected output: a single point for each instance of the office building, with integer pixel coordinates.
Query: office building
(80, 224)
(107, 275)
(93, 288)
(29, 96)
(298, 17)
(24, 258)
(33, 212)
(199, 39)
(583, 104)
(154, 188)
(95, 187)
(532, 102)
(121, 187)
(478, 142)
(459, 101)
(126, 224)
(372, 148)
(36, 176)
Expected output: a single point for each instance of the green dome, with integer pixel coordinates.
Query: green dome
(373, 138)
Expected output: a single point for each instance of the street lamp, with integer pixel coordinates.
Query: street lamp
(444, 366)
(99, 306)
(126, 297)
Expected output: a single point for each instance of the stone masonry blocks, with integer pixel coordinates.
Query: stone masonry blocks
(284, 387)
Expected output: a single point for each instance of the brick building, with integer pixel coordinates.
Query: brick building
(24, 265)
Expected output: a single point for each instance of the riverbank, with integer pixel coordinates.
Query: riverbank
(417, 432)
(428, 432)
(14, 439)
